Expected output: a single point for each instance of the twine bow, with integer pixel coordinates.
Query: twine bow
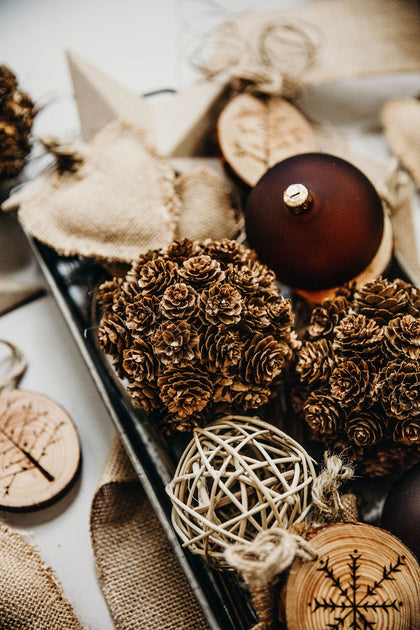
(283, 53)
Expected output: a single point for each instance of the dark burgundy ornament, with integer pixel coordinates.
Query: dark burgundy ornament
(401, 512)
(316, 220)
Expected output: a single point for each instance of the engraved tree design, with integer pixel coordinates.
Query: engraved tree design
(352, 603)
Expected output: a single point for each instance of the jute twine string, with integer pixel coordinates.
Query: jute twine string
(273, 551)
(283, 53)
(329, 506)
(270, 554)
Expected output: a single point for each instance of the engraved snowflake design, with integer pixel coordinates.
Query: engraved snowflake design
(352, 604)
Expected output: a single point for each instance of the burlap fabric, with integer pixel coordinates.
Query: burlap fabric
(139, 574)
(124, 200)
(31, 598)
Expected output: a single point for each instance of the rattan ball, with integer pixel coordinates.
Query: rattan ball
(238, 476)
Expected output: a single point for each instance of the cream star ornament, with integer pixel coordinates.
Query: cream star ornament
(177, 126)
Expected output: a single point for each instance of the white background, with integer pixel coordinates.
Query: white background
(145, 46)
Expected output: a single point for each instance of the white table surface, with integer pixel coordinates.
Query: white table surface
(143, 45)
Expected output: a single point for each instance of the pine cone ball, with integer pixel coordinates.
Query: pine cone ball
(356, 376)
(196, 329)
(16, 119)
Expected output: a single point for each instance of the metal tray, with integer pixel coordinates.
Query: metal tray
(73, 282)
(224, 600)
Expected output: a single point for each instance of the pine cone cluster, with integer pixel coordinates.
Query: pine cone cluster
(16, 118)
(197, 329)
(357, 375)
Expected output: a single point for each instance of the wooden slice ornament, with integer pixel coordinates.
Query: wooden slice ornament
(39, 450)
(364, 578)
(257, 132)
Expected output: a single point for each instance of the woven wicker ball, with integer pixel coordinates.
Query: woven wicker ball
(237, 477)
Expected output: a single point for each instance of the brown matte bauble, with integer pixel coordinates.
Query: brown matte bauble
(401, 513)
(319, 238)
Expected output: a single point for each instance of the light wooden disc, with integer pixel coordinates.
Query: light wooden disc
(39, 450)
(256, 133)
(364, 578)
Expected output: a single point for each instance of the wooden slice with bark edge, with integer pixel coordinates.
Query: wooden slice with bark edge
(363, 578)
(39, 450)
(256, 133)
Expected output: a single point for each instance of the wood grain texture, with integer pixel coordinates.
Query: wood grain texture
(39, 450)
(364, 578)
(256, 133)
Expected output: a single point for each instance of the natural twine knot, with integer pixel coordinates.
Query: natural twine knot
(332, 507)
(269, 555)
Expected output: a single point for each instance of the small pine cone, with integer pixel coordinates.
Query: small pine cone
(251, 397)
(352, 383)
(108, 291)
(113, 336)
(413, 299)
(323, 413)
(173, 423)
(228, 251)
(402, 337)
(144, 395)
(263, 359)
(222, 303)
(280, 312)
(398, 388)
(326, 316)
(178, 251)
(139, 362)
(220, 348)
(267, 279)
(366, 427)
(201, 270)
(407, 431)
(155, 276)
(254, 314)
(142, 315)
(141, 260)
(224, 391)
(179, 301)
(347, 291)
(244, 277)
(315, 362)
(175, 343)
(380, 300)
(357, 336)
(185, 391)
